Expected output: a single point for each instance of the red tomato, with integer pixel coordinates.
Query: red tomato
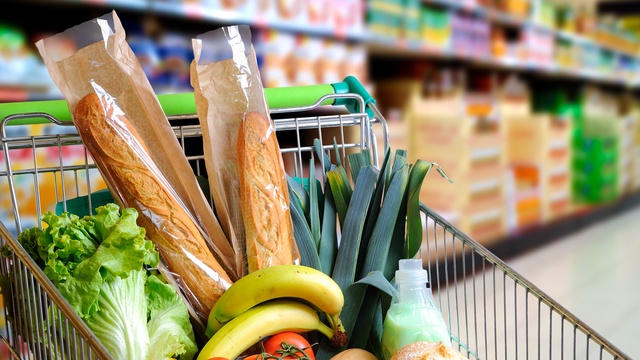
(287, 343)
(253, 357)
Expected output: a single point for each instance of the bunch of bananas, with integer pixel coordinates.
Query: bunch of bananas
(272, 300)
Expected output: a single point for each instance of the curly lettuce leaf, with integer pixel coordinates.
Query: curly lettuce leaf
(121, 322)
(100, 263)
(122, 249)
(29, 241)
(170, 331)
(63, 244)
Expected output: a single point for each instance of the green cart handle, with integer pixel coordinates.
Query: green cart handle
(184, 103)
(298, 96)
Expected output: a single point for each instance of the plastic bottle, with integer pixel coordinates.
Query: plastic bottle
(412, 315)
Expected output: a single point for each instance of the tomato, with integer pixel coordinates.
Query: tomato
(287, 343)
(253, 357)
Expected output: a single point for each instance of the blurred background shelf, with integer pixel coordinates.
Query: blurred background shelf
(467, 83)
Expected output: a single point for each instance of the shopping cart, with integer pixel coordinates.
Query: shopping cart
(492, 311)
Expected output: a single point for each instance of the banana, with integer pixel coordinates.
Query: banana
(267, 318)
(279, 281)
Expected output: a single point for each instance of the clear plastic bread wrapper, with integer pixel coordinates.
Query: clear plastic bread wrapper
(244, 164)
(122, 124)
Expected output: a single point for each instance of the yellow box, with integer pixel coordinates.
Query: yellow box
(471, 152)
(543, 142)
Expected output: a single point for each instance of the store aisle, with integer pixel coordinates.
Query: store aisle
(595, 274)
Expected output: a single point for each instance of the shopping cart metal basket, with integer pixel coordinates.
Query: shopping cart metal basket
(492, 311)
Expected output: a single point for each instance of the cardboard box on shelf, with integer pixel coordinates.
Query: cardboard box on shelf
(627, 165)
(541, 144)
(524, 195)
(276, 57)
(355, 63)
(291, 12)
(330, 61)
(308, 51)
(347, 17)
(471, 154)
(318, 13)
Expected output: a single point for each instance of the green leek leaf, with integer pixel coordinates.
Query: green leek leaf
(314, 211)
(357, 161)
(344, 271)
(322, 154)
(377, 324)
(374, 207)
(378, 249)
(399, 160)
(341, 190)
(396, 249)
(336, 150)
(298, 193)
(329, 234)
(414, 219)
(302, 235)
(360, 338)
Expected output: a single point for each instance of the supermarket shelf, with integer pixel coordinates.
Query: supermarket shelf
(197, 11)
(388, 47)
(202, 12)
(119, 4)
(502, 18)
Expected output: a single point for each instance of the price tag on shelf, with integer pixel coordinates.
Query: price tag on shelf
(261, 20)
(193, 10)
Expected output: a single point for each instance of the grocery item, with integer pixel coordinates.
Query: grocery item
(288, 345)
(354, 354)
(290, 281)
(125, 161)
(242, 155)
(262, 320)
(424, 350)
(378, 222)
(126, 132)
(263, 190)
(412, 315)
(102, 265)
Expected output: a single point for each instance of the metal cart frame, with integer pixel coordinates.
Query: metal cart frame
(492, 311)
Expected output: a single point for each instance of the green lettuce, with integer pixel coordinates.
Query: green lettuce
(103, 265)
(170, 332)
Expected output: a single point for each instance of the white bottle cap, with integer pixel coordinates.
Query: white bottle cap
(411, 271)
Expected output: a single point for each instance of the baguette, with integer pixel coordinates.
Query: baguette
(264, 195)
(128, 169)
(424, 350)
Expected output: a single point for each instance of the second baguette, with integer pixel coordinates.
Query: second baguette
(264, 194)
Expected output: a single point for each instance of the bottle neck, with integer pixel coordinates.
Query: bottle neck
(414, 293)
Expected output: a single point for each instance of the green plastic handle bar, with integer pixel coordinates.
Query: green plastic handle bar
(184, 103)
(351, 85)
(297, 96)
(172, 104)
(56, 108)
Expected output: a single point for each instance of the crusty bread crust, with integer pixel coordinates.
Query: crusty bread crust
(423, 350)
(264, 195)
(125, 164)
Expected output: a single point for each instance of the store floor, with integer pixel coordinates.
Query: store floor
(595, 274)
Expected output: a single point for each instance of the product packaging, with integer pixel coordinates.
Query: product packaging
(412, 315)
(242, 156)
(276, 53)
(130, 139)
